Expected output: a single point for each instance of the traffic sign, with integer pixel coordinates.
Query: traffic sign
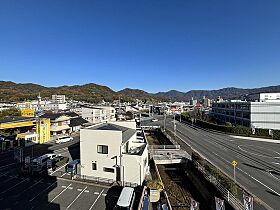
(234, 163)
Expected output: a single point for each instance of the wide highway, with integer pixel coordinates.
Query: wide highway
(258, 168)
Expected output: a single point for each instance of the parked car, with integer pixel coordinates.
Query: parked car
(154, 120)
(64, 139)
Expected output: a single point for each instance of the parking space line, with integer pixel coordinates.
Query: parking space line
(7, 165)
(58, 169)
(76, 198)
(29, 188)
(60, 193)
(96, 199)
(14, 186)
(42, 191)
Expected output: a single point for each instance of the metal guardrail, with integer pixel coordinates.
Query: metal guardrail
(227, 195)
(164, 147)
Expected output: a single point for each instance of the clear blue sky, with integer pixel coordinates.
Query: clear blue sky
(155, 45)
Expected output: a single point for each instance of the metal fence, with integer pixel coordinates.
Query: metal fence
(227, 195)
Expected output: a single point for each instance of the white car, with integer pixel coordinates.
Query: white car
(64, 139)
(154, 120)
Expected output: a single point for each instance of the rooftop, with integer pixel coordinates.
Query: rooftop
(127, 133)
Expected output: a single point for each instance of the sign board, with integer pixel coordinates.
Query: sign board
(154, 196)
(234, 163)
(194, 205)
(27, 113)
(248, 202)
(220, 204)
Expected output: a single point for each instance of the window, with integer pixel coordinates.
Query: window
(111, 170)
(103, 149)
(94, 166)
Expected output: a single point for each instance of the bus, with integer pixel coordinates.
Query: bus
(72, 166)
(39, 163)
(126, 199)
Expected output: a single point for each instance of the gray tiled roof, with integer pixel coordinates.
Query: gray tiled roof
(127, 133)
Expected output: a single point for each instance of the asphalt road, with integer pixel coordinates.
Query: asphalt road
(258, 168)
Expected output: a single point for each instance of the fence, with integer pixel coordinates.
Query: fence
(235, 202)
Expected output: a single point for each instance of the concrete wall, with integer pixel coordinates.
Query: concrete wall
(128, 124)
(88, 149)
(265, 115)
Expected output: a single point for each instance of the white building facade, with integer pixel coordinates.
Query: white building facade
(113, 151)
(264, 114)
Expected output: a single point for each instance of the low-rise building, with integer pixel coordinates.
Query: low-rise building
(113, 151)
(60, 123)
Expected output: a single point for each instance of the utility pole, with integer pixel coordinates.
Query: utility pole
(164, 122)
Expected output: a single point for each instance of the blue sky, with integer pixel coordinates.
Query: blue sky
(155, 45)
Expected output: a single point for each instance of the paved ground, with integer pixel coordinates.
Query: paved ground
(51, 192)
(258, 162)
(31, 193)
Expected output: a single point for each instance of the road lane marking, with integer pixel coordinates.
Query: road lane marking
(14, 186)
(275, 163)
(86, 191)
(80, 190)
(42, 192)
(60, 193)
(76, 198)
(96, 193)
(96, 199)
(70, 188)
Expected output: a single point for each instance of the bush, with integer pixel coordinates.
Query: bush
(276, 134)
(155, 184)
(262, 132)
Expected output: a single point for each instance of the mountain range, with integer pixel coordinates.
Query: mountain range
(10, 91)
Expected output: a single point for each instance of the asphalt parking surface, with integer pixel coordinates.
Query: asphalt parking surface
(49, 193)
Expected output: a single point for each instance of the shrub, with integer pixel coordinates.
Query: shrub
(155, 184)
(262, 132)
(276, 134)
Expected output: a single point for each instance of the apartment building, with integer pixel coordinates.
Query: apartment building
(59, 99)
(263, 111)
(98, 114)
(60, 123)
(114, 151)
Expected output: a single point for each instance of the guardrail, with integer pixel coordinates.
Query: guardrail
(164, 147)
(226, 194)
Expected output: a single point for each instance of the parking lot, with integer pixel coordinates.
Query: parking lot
(50, 193)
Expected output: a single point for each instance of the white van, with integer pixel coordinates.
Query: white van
(64, 139)
(126, 199)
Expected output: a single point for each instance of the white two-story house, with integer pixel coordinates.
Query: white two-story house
(114, 151)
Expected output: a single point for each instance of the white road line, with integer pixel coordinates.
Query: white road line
(63, 186)
(86, 191)
(14, 185)
(28, 188)
(60, 193)
(58, 169)
(96, 193)
(12, 177)
(4, 174)
(96, 199)
(42, 191)
(80, 190)
(275, 163)
(70, 188)
(104, 194)
(76, 198)
(63, 174)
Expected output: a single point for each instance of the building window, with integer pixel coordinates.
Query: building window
(94, 166)
(103, 149)
(111, 170)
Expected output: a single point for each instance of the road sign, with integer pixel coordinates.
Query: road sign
(234, 163)
(194, 205)
(248, 201)
(220, 204)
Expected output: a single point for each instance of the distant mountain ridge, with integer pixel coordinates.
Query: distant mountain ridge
(226, 93)
(10, 91)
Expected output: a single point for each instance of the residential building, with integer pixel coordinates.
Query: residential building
(98, 114)
(60, 123)
(114, 151)
(264, 114)
(60, 99)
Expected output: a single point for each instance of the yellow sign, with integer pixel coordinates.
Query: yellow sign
(234, 163)
(27, 113)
